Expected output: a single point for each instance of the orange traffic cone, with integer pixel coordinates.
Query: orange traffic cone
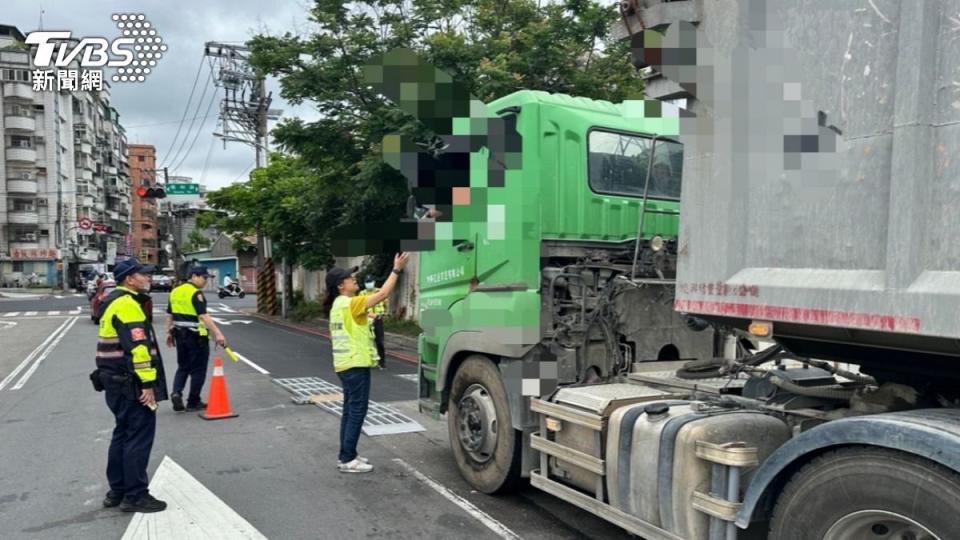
(218, 404)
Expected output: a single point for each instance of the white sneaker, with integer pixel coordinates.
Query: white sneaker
(359, 458)
(355, 466)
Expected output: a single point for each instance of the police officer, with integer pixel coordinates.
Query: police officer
(376, 314)
(130, 371)
(188, 327)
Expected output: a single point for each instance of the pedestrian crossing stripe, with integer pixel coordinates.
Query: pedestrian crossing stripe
(76, 311)
(381, 419)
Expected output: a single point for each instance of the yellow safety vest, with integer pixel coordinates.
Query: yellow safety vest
(184, 314)
(379, 309)
(353, 345)
(112, 355)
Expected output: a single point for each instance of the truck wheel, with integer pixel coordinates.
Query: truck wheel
(869, 493)
(484, 443)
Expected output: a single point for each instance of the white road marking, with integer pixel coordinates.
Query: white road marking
(53, 313)
(16, 371)
(76, 311)
(212, 310)
(498, 528)
(30, 314)
(11, 314)
(226, 308)
(247, 361)
(26, 376)
(193, 511)
(225, 322)
(58, 297)
(7, 324)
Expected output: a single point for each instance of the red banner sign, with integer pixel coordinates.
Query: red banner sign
(21, 254)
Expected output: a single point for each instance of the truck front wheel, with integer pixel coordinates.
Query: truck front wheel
(869, 493)
(484, 443)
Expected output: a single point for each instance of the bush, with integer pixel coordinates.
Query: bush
(401, 326)
(305, 311)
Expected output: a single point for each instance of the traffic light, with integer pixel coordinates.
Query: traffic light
(151, 193)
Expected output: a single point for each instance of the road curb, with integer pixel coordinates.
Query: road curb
(311, 330)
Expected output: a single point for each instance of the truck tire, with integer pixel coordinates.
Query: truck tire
(485, 445)
(864, 492)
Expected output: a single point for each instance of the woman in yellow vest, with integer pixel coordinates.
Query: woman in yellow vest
(354, 353)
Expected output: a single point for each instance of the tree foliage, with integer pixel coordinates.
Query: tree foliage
(495, 47)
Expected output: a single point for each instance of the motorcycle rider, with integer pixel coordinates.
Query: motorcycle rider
(229, 284)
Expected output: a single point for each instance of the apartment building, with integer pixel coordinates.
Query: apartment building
(143, 172)
(63, 159)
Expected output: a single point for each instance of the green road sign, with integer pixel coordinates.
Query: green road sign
(182, 189)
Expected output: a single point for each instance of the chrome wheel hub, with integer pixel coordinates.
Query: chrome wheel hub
(477, 423)
(878, 525)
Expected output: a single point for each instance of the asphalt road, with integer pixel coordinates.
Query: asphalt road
(274, 465)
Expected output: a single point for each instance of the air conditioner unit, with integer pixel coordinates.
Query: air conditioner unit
(42, 202)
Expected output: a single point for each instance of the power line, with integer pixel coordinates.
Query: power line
(196, 115)
(206, 160)
(245, 171)
(187, 108)
(168, 122)
(193, 143)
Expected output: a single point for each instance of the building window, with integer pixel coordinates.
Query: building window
(18, 266)
(141, 159)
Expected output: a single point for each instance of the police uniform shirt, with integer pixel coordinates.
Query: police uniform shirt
(199, 303)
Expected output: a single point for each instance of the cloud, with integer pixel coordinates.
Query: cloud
(151, 111)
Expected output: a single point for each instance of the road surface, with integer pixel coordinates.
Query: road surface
(271, 472)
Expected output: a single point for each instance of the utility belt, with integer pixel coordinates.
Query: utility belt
(122, 383)
(187, 328)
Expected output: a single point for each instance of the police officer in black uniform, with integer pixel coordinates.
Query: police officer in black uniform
(130, 370)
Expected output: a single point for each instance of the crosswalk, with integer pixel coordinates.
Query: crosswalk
(72, 312)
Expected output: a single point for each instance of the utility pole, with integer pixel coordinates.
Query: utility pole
(244, 112)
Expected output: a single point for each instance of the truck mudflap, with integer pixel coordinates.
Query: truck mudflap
(932, 434)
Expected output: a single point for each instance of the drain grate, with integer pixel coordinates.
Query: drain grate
(381, 419)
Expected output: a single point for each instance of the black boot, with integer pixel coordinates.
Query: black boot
(145, 504)
(177, 401)
(112, 499)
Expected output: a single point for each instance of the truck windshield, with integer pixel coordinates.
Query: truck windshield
(618, 165)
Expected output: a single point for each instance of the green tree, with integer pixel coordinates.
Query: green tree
(286, 201)
(494, 47)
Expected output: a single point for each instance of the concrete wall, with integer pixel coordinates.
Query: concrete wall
(402, 303)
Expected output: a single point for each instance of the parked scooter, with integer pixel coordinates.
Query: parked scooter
(232, 290)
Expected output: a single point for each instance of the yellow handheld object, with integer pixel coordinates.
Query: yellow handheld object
(231, 354)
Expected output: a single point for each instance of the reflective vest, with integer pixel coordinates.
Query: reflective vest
(125, 340)
(379, 309)
(353, 345)
(184, 313)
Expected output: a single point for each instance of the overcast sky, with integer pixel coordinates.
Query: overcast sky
(151, 111)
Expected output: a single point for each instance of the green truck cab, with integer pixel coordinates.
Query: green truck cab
(546, 284)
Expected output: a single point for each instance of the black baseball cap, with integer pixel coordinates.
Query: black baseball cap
(131, 266)
(336, 275)
(200, 271)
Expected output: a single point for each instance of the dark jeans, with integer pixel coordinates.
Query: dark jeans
(130, 446)
(356, 395)
(193, 355)
(378, 339)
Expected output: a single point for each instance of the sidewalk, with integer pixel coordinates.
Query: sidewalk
(398, 346)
